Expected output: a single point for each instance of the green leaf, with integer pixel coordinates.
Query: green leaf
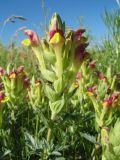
(56, 153)
(48, 75)
(30, 140)
(89, 137)
(1, 116)
(109, 154)
(114, 135)
(49, 57)
(108, 74)
(7, 152)
(58, 85)
(117, 150)
(50, 93)
(71, 93)
(44, 120)
(112, 151)
(60, 158)
(56, 106)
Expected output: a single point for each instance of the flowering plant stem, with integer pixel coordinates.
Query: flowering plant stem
(59, 65)
(39, 56)
(49, 133)
(0, 116)
(36, 128)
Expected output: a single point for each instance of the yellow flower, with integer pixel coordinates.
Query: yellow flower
(12, 75)
(38, 83)
(4, 100)
(26, 42)
(89, 93)
(105, 104)
(76, 84)
(33, 38)
(57, 38)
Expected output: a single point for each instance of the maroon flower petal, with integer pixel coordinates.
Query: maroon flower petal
(52, 32)
(33, 37)
(78, 34)
(2, 96)
(92, 89)
(80, 52)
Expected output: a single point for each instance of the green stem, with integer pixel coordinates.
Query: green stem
(39, 56)
(36, 128)
(59, 61)
(113, 82)
(95, 153)
(49, 133)
(104, 140)
(103, 157)
(0, 116)
(104, 111)
(95, 104)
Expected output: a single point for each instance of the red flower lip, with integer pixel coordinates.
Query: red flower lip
(1, 86)
(2, 71)
(78, 34)
(92, 64)
(2, 96)
(111, 99)
(79, 75)
(92, 89)
(80, 52)
(101, 76)
(52, 32)
(26, 82)
(20, 70)
(13, 74)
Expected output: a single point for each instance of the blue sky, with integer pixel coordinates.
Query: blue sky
(70, 11)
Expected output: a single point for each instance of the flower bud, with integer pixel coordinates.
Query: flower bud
(78, 34)
(20, 69)
(2, 71)
(1, 86)
(80, 52)
(26, 82)
(2, 97)
(33, 37)
(92, 64)
(101, 76)
(79, 76)
(20, 72)
(91, 90)
(111, 100)
(37, 83)
(56, 30)
(80, 43)
(13, 74)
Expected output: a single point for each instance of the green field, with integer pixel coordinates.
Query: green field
(60, 95)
